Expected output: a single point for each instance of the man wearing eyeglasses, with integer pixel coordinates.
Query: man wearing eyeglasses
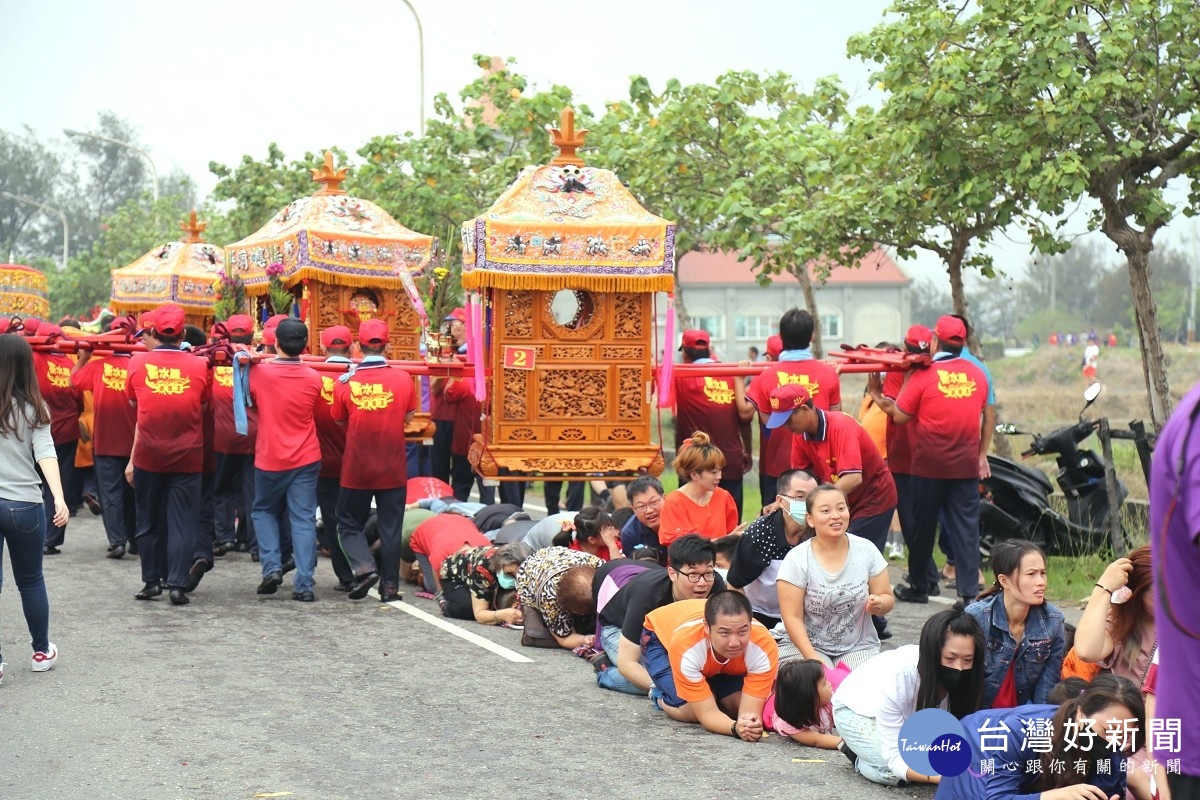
(692, 575)
(763, 545)
(646, 496)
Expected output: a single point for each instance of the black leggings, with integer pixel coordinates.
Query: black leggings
(457, 599)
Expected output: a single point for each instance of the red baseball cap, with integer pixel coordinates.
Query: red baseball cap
(4, 323)
(951, 330)
(459, 314)
(30, 326)
(49, 329)
(239, 325)
(336, 336)
(169, 319)
(145, 323)
(269, 327)
(373, 332)
(919, 336)
(695, 339)
(774, 345)
(785, 400)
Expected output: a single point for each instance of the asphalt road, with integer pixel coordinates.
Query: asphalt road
(238, 696)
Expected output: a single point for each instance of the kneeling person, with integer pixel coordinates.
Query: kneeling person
(712, 663)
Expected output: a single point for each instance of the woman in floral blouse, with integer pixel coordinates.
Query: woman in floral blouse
(472, 579)
(556, 583)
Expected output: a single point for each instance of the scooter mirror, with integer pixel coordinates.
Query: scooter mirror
(1092, 392)
(1006, 428)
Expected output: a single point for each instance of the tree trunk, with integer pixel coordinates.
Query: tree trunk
(810, 302)
(1154, 365)
(959, 298)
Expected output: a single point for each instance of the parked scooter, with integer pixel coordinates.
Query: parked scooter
(1016, 498)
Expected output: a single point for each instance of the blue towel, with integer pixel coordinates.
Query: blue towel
(241, 392)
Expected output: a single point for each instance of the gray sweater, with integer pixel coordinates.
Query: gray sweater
(19, 454)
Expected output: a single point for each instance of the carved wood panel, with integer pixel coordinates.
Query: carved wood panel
(573, 393)
(591, 328)
(573, 352)
(515, 386)
(630, 401)
(627, 316)
(518, 315)
(622, 353)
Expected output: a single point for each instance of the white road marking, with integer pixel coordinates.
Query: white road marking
(473, 638)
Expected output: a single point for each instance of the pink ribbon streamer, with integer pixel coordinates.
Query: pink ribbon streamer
(475, 344)
(666, 367)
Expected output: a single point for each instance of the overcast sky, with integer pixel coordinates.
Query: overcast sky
(216, 80)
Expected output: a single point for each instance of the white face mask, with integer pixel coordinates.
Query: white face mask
(724, 573)
(797, 510)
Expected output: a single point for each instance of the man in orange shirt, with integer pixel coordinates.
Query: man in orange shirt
(711, 663)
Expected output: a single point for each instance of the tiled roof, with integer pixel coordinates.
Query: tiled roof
(724, 268)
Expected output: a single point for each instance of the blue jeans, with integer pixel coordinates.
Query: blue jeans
(293, 491)
(611, 678)
(861, 735)
(23, 529)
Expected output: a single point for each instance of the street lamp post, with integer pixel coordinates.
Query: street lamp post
(421, 68)
(61, 216)
(134, 148)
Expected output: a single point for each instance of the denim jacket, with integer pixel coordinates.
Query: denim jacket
(1038, 658)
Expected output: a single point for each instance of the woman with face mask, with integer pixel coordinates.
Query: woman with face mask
(1090, 736)
(475, 580)
(831, 584)
(1025, 634)
(873, 702)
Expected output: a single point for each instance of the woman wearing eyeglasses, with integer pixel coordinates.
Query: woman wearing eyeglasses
(831, 584)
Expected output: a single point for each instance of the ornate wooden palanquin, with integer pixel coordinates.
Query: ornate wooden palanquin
(346, 261)
(24, 292)
(566, 265)
(183, 272)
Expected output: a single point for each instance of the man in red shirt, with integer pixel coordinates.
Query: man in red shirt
(795, 365)
(112, 441)
(335, 343)
(65, 402)
(169, 387)
(287, 459)
(707, 404)
(375, 401)
(442, 414)
(234, 488)
(945, 402)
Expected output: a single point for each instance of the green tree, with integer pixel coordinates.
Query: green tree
(29, 168)
(127, 235)
(722, 161)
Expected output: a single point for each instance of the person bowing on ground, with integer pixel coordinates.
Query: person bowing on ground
(711, 664)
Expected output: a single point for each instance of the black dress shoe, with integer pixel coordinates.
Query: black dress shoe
(344, 587)
(304, 597)
(908, 594)
(132, 548)
(362, 585)
(151, 589)
(50, 550)
(115, 551)
(196, 573)
(92, 503)
(254, 557)
(221, 549)
(178, 598)
(270, 583)
(289, 565)
(389, 595)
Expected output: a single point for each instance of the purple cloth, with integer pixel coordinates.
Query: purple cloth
(614, 580)
(1174, 528)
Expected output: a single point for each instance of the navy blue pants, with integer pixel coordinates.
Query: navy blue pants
(233, 496)
(354, 507)
(575, 492)
(117, 502)
(957, 500)
(55, 534)
(168, 520)
(443, 435)
(329, 492)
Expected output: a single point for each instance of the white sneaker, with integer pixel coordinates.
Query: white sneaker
(2, 666)
(895, 551)
(44, 661)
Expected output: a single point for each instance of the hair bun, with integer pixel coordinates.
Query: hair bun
(699, 439)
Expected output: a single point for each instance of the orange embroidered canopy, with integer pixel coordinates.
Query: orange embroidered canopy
(182, 272)
(331, 237)
(567, 225)
(23, 292)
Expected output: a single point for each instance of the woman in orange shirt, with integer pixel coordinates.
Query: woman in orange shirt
(699, 505)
